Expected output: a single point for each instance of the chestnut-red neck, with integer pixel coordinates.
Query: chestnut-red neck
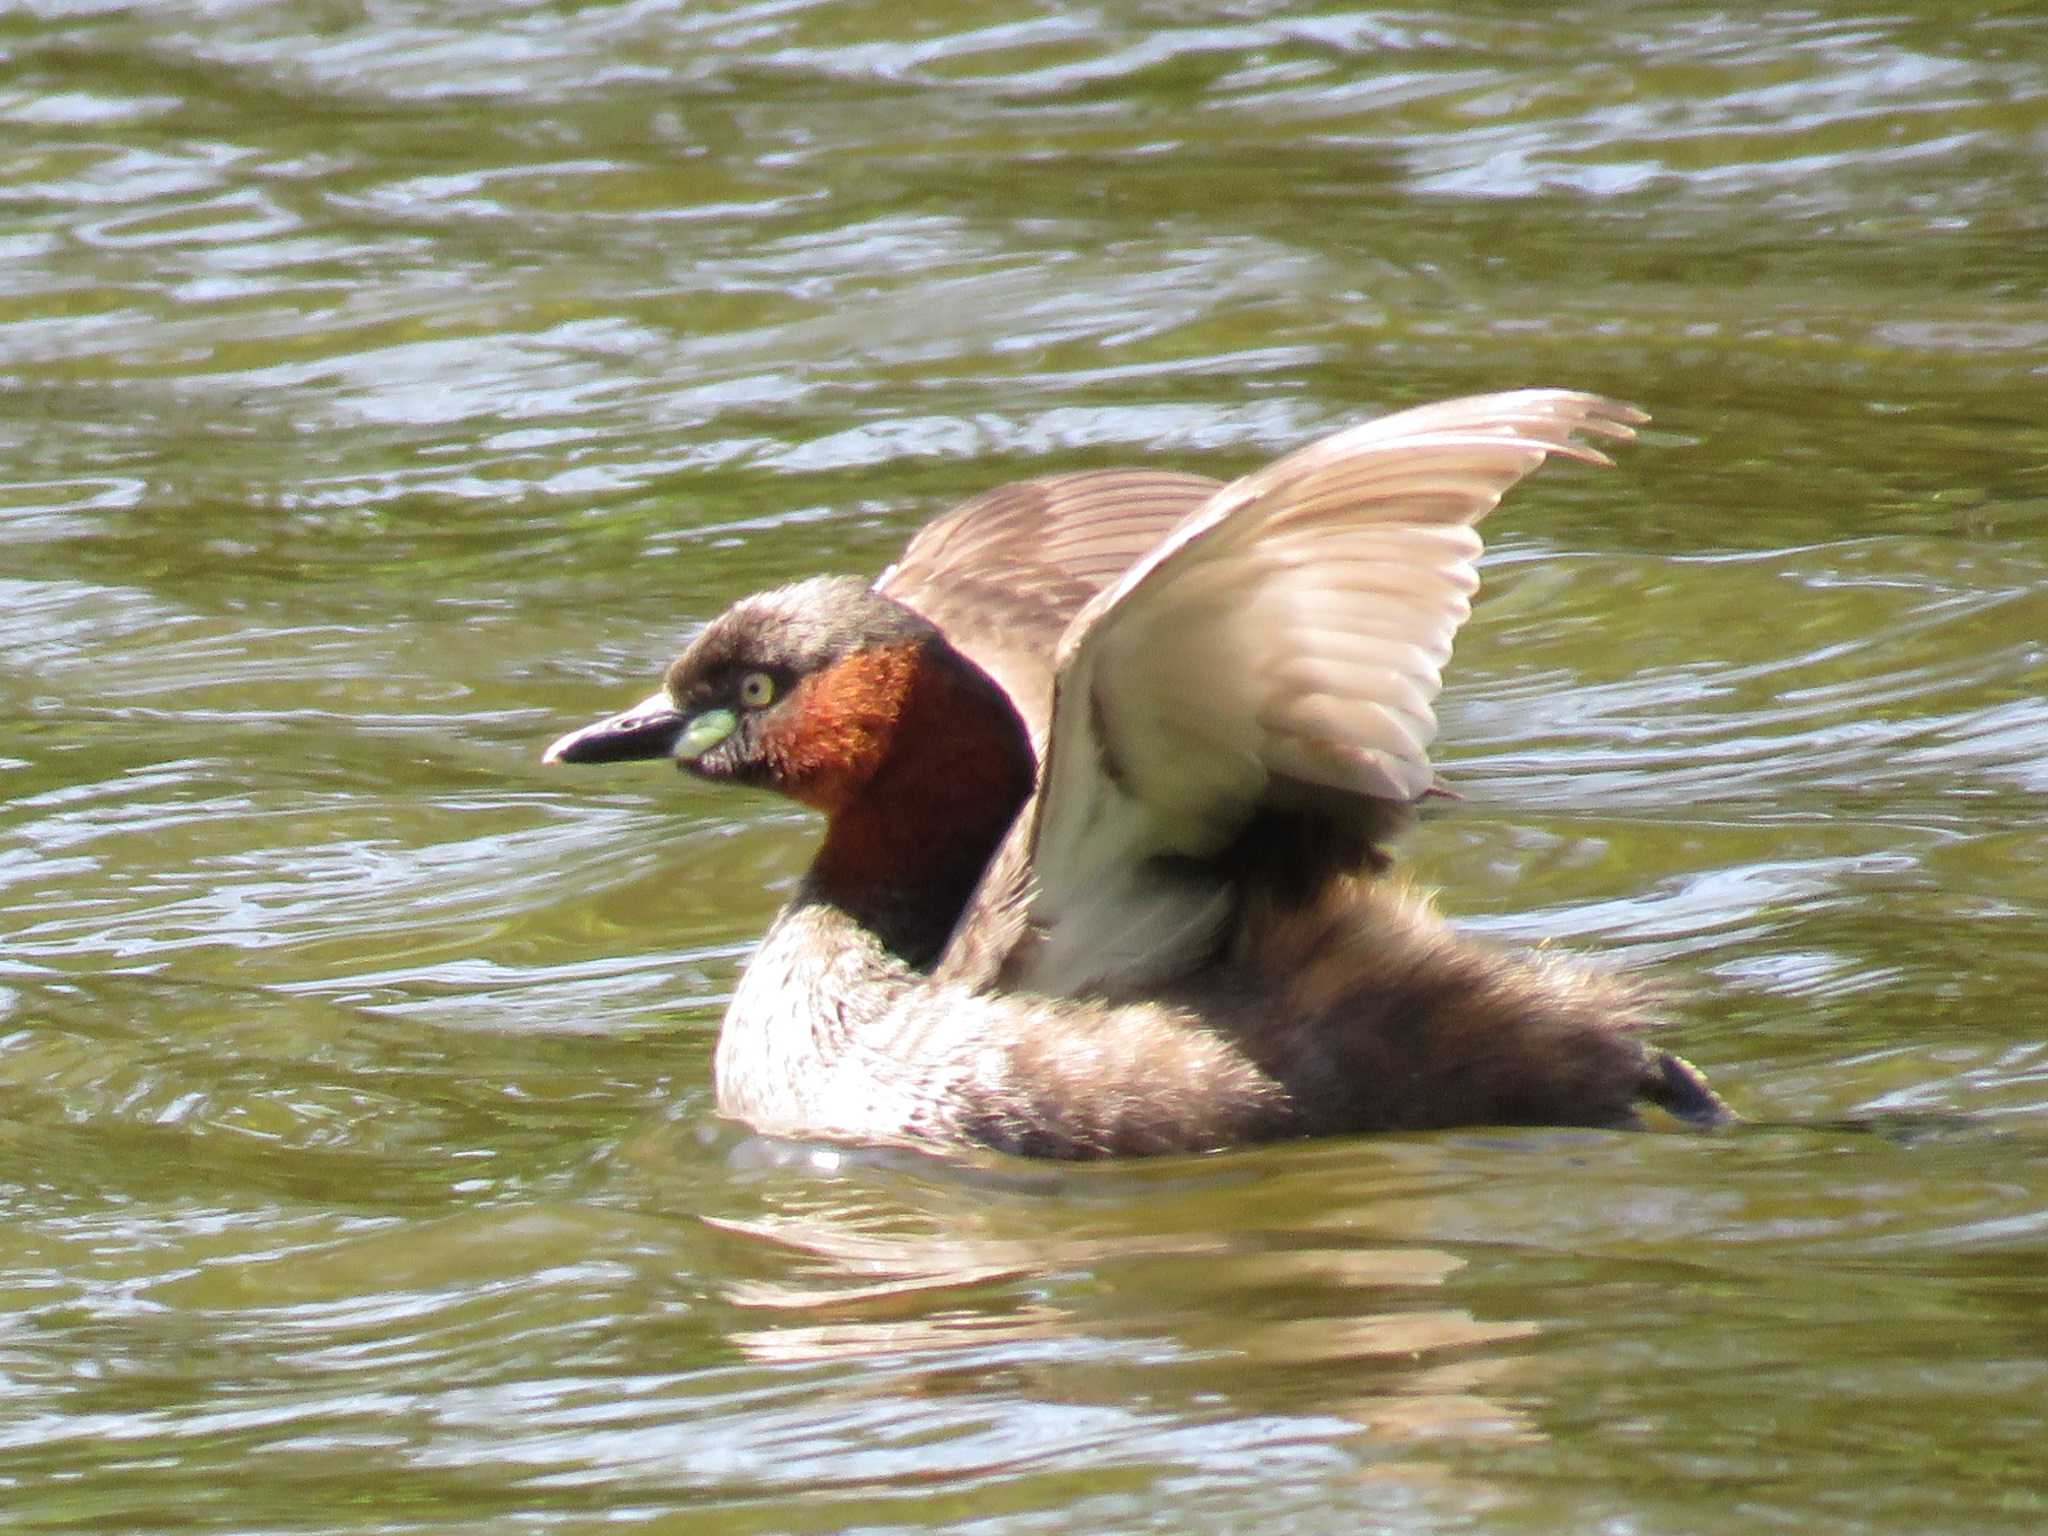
(920, 763)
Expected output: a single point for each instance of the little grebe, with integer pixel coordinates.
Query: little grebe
(1109, 763)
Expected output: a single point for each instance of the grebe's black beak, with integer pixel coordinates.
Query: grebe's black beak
(652, 728)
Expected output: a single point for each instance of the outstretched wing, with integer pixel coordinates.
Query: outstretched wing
(1005, 573)
(1281, 648)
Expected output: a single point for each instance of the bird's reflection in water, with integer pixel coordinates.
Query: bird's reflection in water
(1185, 1284)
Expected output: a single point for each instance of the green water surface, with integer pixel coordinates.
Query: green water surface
(390, 385)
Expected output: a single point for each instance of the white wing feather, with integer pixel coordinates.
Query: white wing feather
(1293, 627)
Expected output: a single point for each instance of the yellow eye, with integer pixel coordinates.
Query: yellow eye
(757, 689)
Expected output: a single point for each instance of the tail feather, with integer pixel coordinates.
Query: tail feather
(1392, 1021)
